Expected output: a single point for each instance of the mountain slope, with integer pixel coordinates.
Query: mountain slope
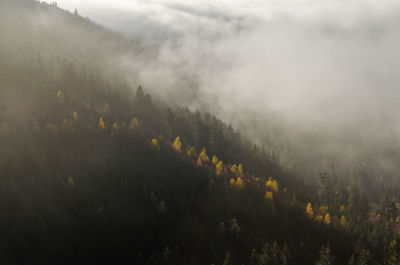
(90, 174)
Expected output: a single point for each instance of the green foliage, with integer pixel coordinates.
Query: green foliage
(87, 170)
(393, 257)
(325, 256)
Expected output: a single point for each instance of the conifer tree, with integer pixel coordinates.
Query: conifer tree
(309, 210)
(343, 221)
(203, 155)
(60, 96)
(327, 219)
(235, 227)
(162, 207)
(106, 108)
(75, 116)
(134, 123)
(101, 124)
(240, 170)
(214, 160)
(154, 144)
(227, 260)
(286, 257)
(393, 257)
(177, 144)
(325, 256)
(234, 168)
(219, 168)
(170, 122)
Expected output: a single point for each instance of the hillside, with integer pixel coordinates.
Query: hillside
(96, 171)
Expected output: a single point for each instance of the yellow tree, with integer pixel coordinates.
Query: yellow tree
(70, 181)
(319, 218)
(162, 207)
(114, 128)
(177, 144)
(269, 195)
(214, 160)
(75, 116)
(235, 228)
(67, 126)
(343, 221)
(191, 151)
(51, 127)
(219, 168)
(239, 183)
(101, 124)
(154, 144)
(232, 182)
(204, 156)
(60, 96)
(199, 162)
(323, 209)
(134, 123)
(234, 169)
(272, 184)
(327, 219)
(275, 186)
(269, 183)
(309, 210)
(106, 108)
(240, 170)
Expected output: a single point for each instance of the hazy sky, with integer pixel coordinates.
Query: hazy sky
(323, 66)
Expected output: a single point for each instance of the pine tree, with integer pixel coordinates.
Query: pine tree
(170, 122)
(101, 124)
(269, 195)
(234, 169)
(387, 208)
(106, 108)
(240, 170)
(115, 127)
(227, 260)
(60, 96)
(327, 219)
(51, 127)
(272, 184)
(75, 116)
(154, 144)
(325, 256)
(286, 257)
(235, 228)
(275, 254)
(219, 168)
(309, 210)
(343, 221)
(66, 126)
(214, 160)
(134, 123)
(177, 144)
(162, 207)
(203, 156)
(393, 257)
(327, 193)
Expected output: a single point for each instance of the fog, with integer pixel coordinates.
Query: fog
(310, 80)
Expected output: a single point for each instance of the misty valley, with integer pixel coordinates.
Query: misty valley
(166, 132)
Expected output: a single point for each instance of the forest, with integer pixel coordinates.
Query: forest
(94, 170)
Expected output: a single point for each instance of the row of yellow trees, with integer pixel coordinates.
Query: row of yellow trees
(324, 215)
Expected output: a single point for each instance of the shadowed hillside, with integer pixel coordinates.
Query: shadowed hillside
(94, 171)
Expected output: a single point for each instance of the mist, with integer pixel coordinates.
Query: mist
(312, 81)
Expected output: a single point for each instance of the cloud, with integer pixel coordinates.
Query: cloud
(283, 69)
